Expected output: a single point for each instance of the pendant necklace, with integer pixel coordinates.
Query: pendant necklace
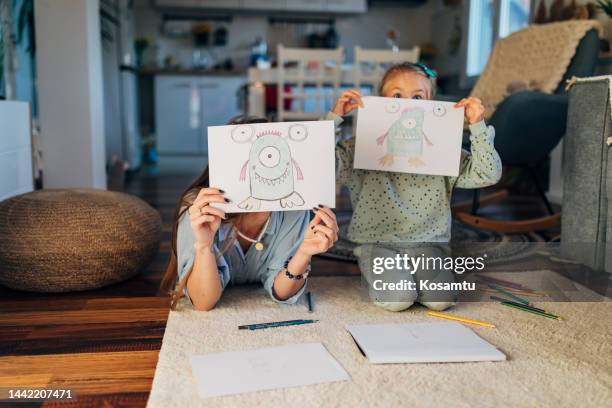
(258, 244)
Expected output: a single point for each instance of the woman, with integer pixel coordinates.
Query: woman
(211, 249)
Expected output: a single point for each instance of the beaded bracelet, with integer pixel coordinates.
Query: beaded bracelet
(295, 277)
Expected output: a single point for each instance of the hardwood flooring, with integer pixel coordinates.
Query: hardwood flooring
(102, 343)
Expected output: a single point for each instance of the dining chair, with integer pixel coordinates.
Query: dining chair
(308, 81)
(371, 64)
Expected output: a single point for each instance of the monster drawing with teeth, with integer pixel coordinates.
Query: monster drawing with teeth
(405, 138)
(270, 166)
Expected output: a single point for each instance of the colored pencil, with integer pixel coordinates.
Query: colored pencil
(309, 300)
(460, 319)
(257, 326)
(510, 295)
(514, 292)
(537, 309)
(524, 309)
(502, 282)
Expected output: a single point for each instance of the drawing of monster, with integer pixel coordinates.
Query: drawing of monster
(270, 166)
(405, 138)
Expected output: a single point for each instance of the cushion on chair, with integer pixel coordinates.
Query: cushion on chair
(75, 239)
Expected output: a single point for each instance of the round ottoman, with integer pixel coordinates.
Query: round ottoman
(75, 239)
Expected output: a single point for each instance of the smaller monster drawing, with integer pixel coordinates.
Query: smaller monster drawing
(270, 166)
(405, 138)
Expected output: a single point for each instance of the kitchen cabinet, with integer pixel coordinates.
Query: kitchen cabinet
(15, 149)
(186, 105)
(264, 4)
(218, 4)
(306, 5)
(226, 4)
(291, 6)
(347, 6)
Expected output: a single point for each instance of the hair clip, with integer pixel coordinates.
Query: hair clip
(428, 71)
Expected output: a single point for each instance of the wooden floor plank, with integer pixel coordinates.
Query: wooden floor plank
(77, 338)
(86, 373)
(84, 304)
(83, 316)
(116, 400)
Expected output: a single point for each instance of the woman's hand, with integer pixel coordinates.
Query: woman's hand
(205, 220)
(474, 109)
(347, 101)
(322, 232)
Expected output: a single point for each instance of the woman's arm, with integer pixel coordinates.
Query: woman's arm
(204, 283)
(321, 234)
(284, 288)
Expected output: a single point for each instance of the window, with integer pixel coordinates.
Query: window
(489, 20)
(513, 15)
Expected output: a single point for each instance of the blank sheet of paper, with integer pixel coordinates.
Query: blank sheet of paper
(239, 372)
(422, 343)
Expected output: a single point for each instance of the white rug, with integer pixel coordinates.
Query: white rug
(550, 363)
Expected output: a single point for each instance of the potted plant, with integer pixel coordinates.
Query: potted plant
(606, 7)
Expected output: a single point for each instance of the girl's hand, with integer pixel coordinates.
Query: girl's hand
(347, 101)
(474, 109)
(322, 232)
(205, 220)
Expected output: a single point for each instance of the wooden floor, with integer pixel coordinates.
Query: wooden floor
(103, 344)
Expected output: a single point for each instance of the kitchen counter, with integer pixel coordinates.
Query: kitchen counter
(270, 75)
(192, 72)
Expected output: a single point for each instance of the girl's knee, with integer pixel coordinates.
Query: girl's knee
(394, 306)
(438, 306)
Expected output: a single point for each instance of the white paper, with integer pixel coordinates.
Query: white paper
(273, 166)
(422, 343)
(408, 136)
(239, 372)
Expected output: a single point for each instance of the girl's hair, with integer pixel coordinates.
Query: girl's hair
(169, 280)
(409, 67)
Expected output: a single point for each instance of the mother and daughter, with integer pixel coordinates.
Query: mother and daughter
(393, 213)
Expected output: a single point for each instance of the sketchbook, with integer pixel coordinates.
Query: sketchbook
(239, 372)
(422, 343)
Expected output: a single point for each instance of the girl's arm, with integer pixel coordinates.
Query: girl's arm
(345, 150)
(481, 167)
(321, 234)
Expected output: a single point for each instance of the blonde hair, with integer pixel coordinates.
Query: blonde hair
(409, 67)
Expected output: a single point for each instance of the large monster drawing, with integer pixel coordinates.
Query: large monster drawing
(270, 166)
(405, 138)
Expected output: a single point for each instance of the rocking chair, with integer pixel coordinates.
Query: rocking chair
(528, 126)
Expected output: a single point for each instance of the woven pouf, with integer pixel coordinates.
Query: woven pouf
(75, 239)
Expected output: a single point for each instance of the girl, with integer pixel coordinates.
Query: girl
(211, 249)
(398, 213)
